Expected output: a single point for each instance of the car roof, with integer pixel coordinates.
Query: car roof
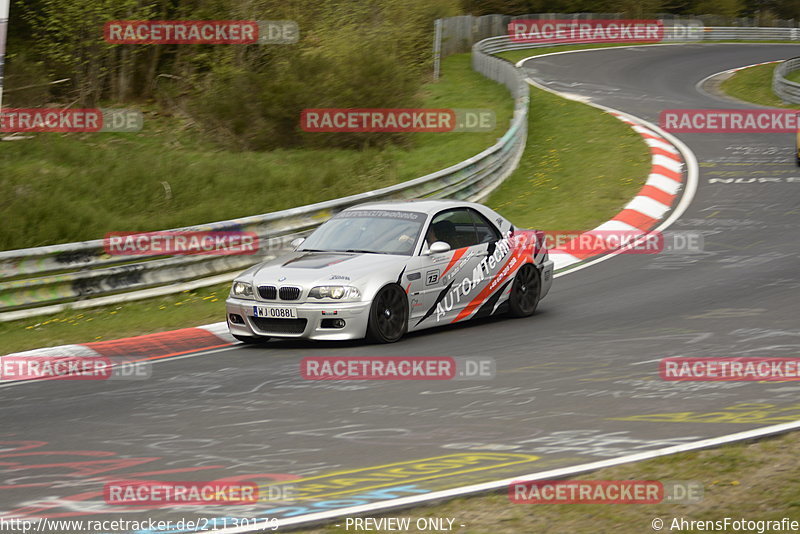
(426, 205)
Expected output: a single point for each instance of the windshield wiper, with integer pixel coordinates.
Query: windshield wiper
(361, 251)
(352, 250)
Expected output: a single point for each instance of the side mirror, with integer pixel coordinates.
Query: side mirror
(439, 247)
(297, 242)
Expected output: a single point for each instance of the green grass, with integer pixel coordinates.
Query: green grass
(755, 85)
(170, 312)
(59, 188)
(516, 55)
(579, 168)
(754, 480)
(794, 76)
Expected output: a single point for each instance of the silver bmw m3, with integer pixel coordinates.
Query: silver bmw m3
(379, 270)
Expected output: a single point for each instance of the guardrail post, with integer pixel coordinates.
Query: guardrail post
(437, 48)
(4, 10)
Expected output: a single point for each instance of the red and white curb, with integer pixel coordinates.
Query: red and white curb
(140, 348)
(647, 208)
(701, 84)
(737, 69)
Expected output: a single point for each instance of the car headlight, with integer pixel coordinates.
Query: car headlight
(242, 290)
(335, 292)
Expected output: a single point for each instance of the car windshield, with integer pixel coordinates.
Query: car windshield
(371, 231)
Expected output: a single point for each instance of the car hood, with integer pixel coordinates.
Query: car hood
(333, 268)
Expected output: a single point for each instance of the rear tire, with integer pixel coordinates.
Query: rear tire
(525, 291)
(251, 340)
(388, 315)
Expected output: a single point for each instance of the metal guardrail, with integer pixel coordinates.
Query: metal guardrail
(734, 33)
(457, 34)
(41, 280)
(46, 279)
(672, 34)
(787, 90)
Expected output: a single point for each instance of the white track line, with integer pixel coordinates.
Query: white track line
(8, 384)
(405, 502)
(699, 85)
(692, 168)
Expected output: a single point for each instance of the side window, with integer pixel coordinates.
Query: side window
(487, 233)
(455, 227)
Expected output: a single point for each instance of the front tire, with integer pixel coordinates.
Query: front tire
(524, 292)
(388, 315)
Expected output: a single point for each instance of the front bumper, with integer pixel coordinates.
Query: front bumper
(355, 315)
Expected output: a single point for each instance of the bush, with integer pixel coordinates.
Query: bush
(351, 55)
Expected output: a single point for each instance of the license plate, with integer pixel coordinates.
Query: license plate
(275, 313)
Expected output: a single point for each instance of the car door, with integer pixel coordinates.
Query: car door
(445, 280)
(488, 238)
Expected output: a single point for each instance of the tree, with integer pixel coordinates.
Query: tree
(726, 8)
(68, 37)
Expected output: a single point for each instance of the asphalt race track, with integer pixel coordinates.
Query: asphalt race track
(576, 383)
